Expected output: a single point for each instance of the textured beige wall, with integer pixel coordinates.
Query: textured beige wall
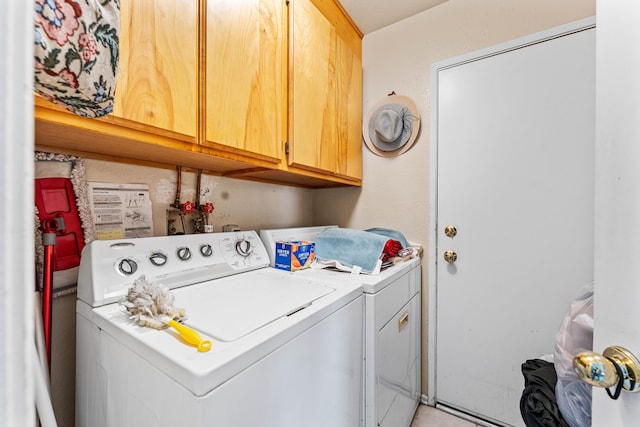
(395, 192)
(251, 205)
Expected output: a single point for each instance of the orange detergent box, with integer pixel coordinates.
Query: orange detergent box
(292, 256)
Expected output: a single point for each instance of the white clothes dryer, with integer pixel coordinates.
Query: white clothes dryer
(287, 350)
(392, 331)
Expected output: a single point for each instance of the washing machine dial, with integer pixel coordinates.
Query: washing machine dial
(243, 247)
(158, 259)
(183, 253)
(127, 266)
(206, 250)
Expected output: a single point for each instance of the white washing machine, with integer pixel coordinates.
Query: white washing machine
(287, 349)
(392, 331)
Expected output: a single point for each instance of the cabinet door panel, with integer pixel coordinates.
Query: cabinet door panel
(245, 88)
(157, 81)
(349, 108)
(313, 118)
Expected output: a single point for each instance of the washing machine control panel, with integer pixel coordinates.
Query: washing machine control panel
(242, 249)
(109, 267)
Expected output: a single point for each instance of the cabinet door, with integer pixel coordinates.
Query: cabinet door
(325, 91)
(158, 81)
(349, 104)
(312, 120)
(244, 78)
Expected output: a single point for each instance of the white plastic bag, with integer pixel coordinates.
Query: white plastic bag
(574, 335)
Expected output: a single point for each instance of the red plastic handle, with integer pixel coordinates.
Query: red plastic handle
(188, 207)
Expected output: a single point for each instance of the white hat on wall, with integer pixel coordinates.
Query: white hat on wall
(391, 126)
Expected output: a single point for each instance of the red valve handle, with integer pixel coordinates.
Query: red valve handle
(188, 207)
(208, 207)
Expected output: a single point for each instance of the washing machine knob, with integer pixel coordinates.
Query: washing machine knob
(127, 266)
(243, 247)
(158, 259)
(183, 253)
(206, 250)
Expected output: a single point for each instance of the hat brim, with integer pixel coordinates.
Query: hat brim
(408, 138)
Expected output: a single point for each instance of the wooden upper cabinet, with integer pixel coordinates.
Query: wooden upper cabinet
(245, 77)
(221, 85)
(325, 84)
(312, 120)
(157, 88)
(349, 105)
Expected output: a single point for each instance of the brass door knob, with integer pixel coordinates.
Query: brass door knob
(450, 231)
(595, 369)
(602, 370)
(450, 256)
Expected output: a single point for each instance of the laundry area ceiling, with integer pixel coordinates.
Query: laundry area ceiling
(371, 15)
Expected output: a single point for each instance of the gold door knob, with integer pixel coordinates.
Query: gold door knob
(450, 256)
(595, 369)
(602, 370)
(450, 231)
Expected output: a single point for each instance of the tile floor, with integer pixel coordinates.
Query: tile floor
(428, 416)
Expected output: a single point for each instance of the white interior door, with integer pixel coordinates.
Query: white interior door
(17, 350)
(515, 140)
(617, 246)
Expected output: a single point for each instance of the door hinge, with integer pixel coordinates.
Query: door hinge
(286, 148)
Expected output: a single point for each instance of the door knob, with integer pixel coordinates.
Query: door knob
(450, 256)
(615, 366)
(450, 231)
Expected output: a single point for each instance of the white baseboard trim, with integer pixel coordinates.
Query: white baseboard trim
(465, 416)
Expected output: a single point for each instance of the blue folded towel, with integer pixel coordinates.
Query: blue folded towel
(391, 234)
(351, 247)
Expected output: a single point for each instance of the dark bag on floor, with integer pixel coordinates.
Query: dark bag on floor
(538, 402)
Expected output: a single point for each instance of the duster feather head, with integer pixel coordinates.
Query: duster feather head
(151, 303)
